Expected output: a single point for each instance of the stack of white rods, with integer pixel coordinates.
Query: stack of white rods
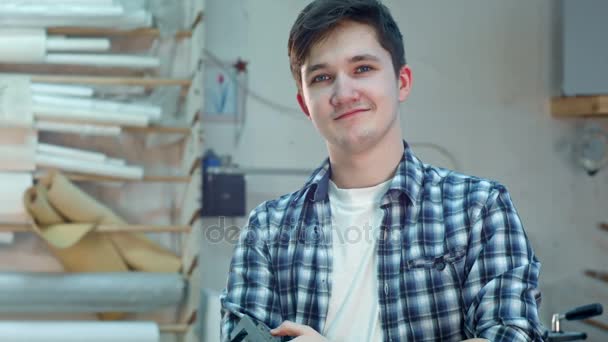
(85, 162)
(75, 104)
(45, 13)
(31, 45)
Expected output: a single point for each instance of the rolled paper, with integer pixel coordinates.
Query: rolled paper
(89, 292)
(17, 149)
(81, 129)
(15, 101)
(13, 185)
(115, 161)
(88, 167)
(52, 10)
(61, 89)
(130, 19)
(105, 60)
(22, 45)
(54, 43)
(152, 111)
(68, 2)
(74, 205)
(78, 331)
(7, 237)
(48, 112)
(65, 217)
(71, 152)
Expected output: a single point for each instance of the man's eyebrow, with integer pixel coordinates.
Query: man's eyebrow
(354, 59)
(364, 57)
(315, 67)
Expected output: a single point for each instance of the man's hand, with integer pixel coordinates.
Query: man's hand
(302, 333)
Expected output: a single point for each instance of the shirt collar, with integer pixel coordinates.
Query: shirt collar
(407, 180)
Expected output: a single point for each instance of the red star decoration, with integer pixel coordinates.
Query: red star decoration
(240, 65)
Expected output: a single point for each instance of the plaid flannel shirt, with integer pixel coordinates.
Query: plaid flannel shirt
(454, 261)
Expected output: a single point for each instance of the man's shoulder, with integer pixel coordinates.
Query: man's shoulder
(275, 210)
(456, 185)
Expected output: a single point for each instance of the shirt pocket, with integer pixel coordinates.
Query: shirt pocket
(433, 295)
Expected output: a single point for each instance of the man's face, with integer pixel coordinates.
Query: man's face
(350, 90)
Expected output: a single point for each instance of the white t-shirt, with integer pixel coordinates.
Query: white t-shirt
(353, 313)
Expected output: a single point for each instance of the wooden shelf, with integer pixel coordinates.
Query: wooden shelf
(596, 323)
(579, 106)
(147, 179)
(128, 81)
(599, 275)
(159, 129)
(92, 32)
(105, 228)
(173, 328)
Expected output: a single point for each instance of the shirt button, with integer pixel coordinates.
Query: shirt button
(440, 265)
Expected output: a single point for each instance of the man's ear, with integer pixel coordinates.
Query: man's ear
(405, 82)
(303, 104)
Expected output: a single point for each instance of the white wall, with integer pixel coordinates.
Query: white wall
(483, 76)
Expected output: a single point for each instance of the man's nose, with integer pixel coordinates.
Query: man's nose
(344, 91)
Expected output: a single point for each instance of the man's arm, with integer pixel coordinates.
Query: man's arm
(502, 280)
(250, 287)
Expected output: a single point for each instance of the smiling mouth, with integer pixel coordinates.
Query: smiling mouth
(350, 113)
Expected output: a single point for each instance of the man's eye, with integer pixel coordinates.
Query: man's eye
(319, 78)
(363, 68)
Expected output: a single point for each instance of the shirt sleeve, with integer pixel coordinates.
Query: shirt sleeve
(501, 287)
(250, 287)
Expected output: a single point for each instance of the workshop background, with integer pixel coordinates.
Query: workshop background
(127, 171)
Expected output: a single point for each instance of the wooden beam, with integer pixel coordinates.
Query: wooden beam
(159, 129)
(153, 128)
(106, 228)
(128, 81)
(98, 178)
(596, 323)
(173, 328)
(579, 106)
(108, 32)
(599, 275)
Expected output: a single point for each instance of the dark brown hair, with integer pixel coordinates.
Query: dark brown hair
(320, 17)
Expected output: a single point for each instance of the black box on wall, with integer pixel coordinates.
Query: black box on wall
(223, 192)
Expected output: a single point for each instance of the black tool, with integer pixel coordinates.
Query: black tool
(248, 330)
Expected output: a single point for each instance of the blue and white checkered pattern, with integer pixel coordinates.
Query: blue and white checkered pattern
(454, 261)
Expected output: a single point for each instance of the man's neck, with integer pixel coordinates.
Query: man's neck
(367, 168)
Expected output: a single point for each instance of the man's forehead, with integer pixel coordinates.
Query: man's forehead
(345, 42)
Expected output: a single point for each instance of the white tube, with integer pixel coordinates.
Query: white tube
(68, 152)
(52, 10)
(109, 60)
(115, 161)
(153, 112)
(77, 331)
(77, 165)
(61, 2)
(77, 44)
(81, 129)
(93, 116)
(131, 19)
(60, 89)
(13, 185)
(22, 45)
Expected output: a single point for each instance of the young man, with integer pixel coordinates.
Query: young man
(377, 246)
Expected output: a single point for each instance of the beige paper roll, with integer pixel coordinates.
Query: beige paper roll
(22, 45)
(137, 251)
(65, 217)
